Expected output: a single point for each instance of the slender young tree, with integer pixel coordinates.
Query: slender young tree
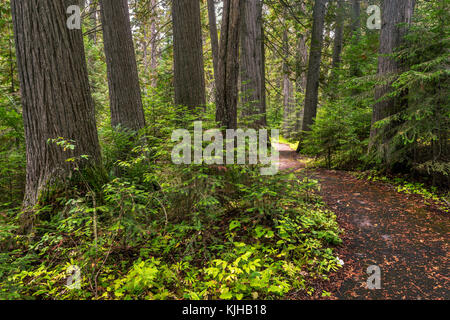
(124, 90)
(147, 19)
(301, 65)
(55, 93)
(144, 42)
(189, 77)
(214, 35)
(356, 31)
(337, 47)
(288, 89)
(154, 42)
(253, 80)
(93, 7)
(11, 63)
(228, 70)
(338, 34)
(315, 55)
(395, 18)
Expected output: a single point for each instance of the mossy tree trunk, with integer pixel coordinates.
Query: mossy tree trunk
(55, 93)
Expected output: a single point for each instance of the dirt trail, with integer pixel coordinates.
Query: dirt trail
(405, 237)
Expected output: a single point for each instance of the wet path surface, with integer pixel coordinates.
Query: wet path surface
(401, 234)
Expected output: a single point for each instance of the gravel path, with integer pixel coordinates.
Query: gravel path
(401, 234)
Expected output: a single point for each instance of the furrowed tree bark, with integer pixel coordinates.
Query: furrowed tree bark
(189, 77)
(124, 90)
(55, 93)
(315, 55)
(214, 35)
(395, 14)
(228, 71)
(253, 81)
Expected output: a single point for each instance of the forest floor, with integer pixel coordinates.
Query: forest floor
(406, 236)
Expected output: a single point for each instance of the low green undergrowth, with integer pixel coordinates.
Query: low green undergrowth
(402, 185)
(160, 231)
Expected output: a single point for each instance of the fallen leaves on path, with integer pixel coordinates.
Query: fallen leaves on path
(402, 234)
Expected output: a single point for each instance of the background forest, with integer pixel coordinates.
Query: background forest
(91, 205)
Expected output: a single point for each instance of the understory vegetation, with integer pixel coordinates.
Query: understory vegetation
(430, 194)
(412, 141)
(161, 231)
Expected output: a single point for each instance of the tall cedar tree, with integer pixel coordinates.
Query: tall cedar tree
(189, 77)
(253, 80)
(228, 70)
(55, 92)
(315, 55)
(393, 30)
(124, 91)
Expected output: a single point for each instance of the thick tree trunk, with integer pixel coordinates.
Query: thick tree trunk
(124, 90)
(228, 71)
(214, 35)
(315, 55)
(55, 92)
(394, 14)
(253, 81)
(189, 77)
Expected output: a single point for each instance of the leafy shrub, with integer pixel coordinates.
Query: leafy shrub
(206, 233)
